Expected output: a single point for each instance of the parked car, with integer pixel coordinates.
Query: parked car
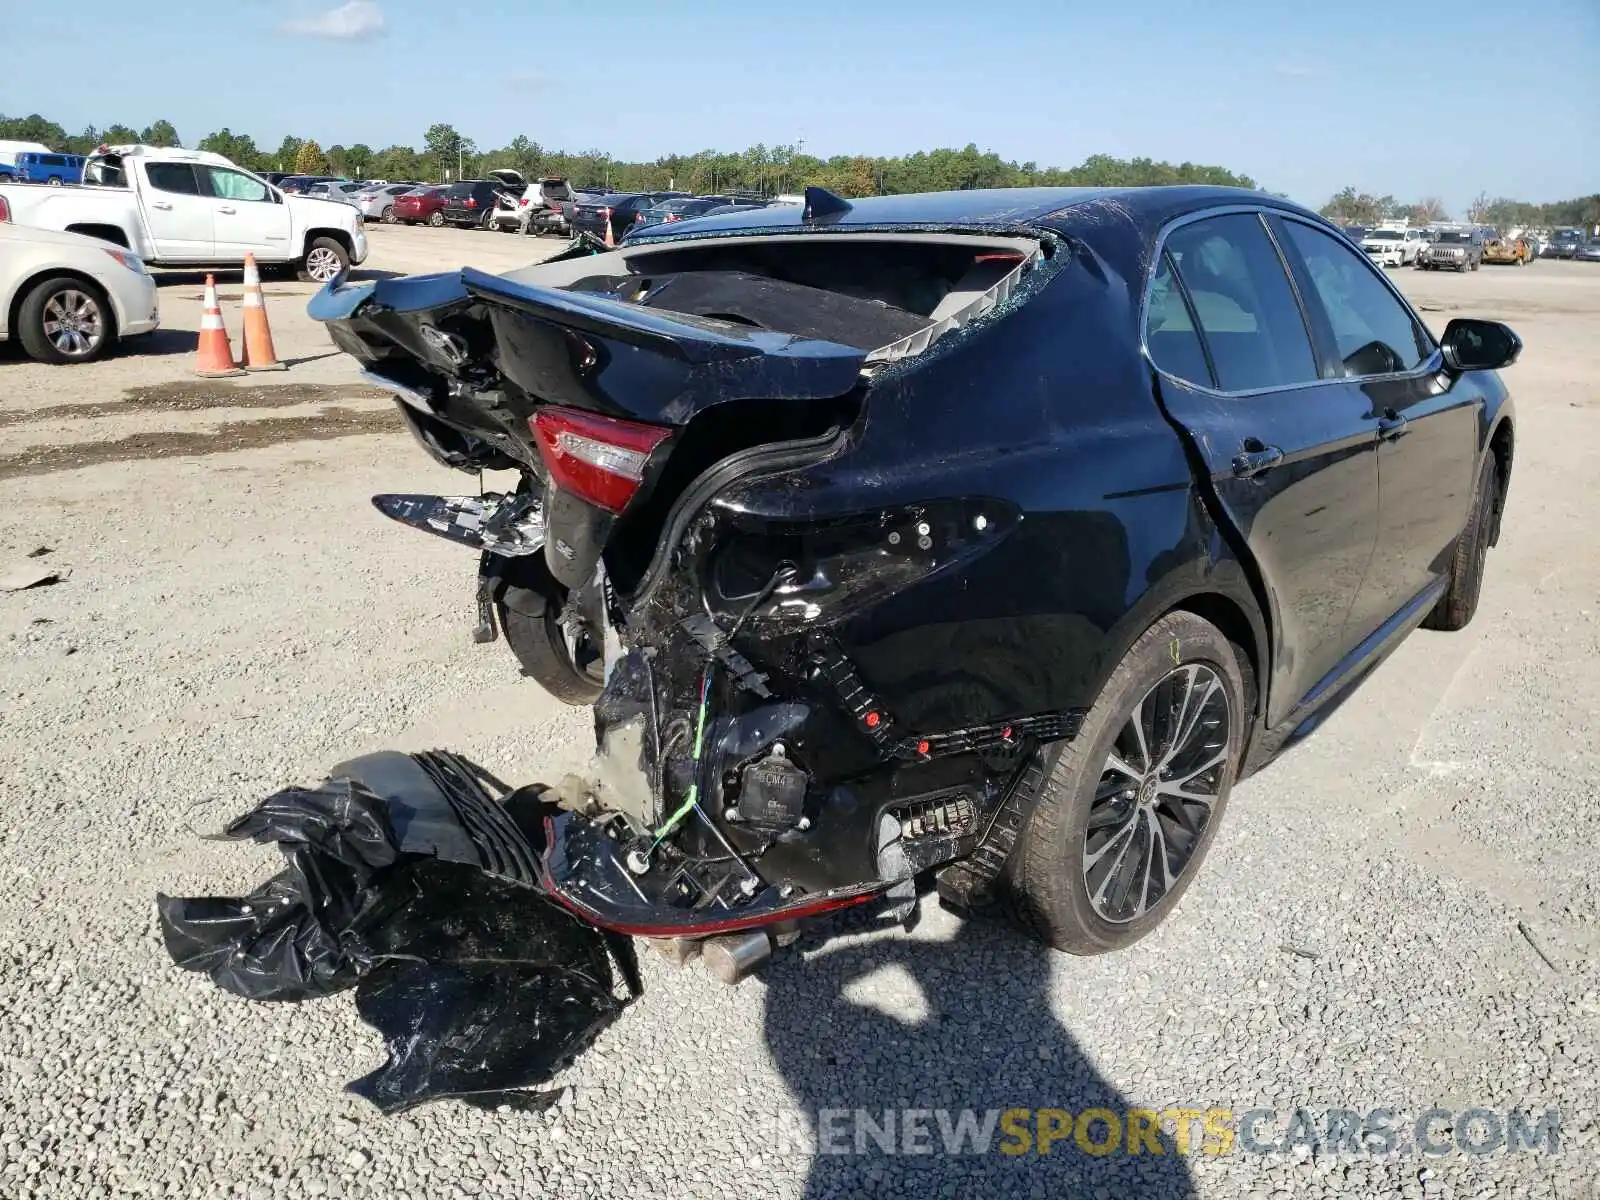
(68, 298)
(1029, 604)
(1564, 243)
(297, 184)
(1393, 247)
(276, 178)
(53, 169)
(668, 212)
(1589, 251)
(377, 202)
(539, 197)
(615, 211)
(471, 203)
(420, 205)
(175, 207)
(1453, 249)
(341, 190)
(1517, 251)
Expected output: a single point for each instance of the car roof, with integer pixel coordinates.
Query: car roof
(1059, 207)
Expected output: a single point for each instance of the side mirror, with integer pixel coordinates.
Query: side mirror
(1473, 345)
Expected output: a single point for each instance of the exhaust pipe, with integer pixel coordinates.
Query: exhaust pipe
(732, 956)
(678, 951)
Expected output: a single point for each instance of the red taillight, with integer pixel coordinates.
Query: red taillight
(5, 210)
(605, 214)
(471, 203)
(637, 217)
(597, 459)
(523, 203)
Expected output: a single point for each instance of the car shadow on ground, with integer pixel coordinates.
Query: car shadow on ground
(235, 275)
(982, 1039)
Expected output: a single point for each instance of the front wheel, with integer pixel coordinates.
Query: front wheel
(388, 217)
(1129, 807)
(325, 259)
(65, 321)
(1460, 600)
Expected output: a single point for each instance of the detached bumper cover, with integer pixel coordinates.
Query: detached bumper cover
(411, 879)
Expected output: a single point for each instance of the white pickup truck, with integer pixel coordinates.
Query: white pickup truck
(190, 208)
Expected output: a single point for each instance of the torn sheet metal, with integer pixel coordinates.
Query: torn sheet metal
(415, 879)
(507, 525)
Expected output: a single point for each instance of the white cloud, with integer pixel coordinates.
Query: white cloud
(352, 19)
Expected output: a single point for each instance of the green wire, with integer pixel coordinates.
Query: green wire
(693, 796)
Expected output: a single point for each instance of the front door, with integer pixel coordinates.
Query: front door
(248, 217)
(177, 209)
(1292, 455)
(1427, 424)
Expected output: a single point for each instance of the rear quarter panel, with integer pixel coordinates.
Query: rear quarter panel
(1050, 408)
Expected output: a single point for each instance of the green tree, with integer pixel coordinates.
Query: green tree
(160, 133)
(310, 160)
(398, 162)
(236, 147)
(33, 128)
(338, 160)
(447, 148)
(359, 157)
(288, 151)
(119, 135)
(1350, 207)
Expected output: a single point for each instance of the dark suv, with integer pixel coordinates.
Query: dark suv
(618, 209)
(471, 203)
(1452, 250)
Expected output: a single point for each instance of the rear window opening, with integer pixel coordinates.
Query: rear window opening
(892, 295)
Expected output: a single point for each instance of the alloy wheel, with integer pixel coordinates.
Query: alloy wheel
(74, 323)
(1163, 776)
(322, 264)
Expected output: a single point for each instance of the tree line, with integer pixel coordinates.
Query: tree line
(1352, 207)
(446, 154)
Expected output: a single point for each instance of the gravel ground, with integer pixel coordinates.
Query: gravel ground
(1402, 914)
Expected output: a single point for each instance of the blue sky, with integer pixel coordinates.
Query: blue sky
(1404, 99)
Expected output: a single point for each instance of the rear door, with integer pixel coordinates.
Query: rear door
(246, 217)
(1428, 431)
(1291, 455)
(177, 206)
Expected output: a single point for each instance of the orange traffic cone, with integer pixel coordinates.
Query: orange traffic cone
(258, 352)
(611, 243)
(214, 356)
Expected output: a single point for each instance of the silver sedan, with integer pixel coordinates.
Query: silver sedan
(377, 203)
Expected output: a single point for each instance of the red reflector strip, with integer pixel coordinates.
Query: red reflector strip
(598, 459)
(999, 257)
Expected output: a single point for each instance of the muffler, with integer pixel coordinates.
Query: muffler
(731, 956)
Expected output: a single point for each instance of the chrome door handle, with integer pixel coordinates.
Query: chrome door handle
(229, 211)
(161, 204)
(1255, 458)
(1391, 425)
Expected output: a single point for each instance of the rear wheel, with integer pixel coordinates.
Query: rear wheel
(558, 651)
(1128, 808)
(437, 220)
(1460, 600)
(388, 217)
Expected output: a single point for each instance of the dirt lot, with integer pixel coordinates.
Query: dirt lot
(1404, 913)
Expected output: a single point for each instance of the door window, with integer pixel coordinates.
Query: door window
(1375, 333)
(1244, 303)
(173, 177)
(1170, 333)
(236, 185)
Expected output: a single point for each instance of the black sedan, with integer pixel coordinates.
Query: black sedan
(991, 533)
(614, 212)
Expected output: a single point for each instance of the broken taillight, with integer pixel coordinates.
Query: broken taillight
(5, 210)
(598, 459)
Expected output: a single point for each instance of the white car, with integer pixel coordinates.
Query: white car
(537, 196)
(68, 298)
(1393, 247)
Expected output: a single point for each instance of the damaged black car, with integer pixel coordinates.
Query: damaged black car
(995, 534)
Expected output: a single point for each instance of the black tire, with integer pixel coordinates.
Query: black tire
(540, 644)
(1046, 888)
(387, 215)
(437, 220)
(87, 308)
(1460, 600)
(317, 262)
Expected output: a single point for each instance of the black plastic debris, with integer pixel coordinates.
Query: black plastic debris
(415, 878)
